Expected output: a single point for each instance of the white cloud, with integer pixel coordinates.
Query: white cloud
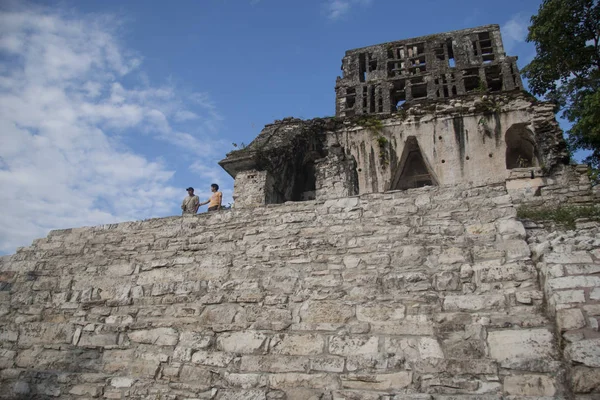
(64, 108)
(337, 9)
(514, 31)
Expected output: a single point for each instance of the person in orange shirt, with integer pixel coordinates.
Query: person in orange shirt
(214, 203)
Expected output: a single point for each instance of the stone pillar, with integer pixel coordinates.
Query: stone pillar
(252, 188)
(336, 175)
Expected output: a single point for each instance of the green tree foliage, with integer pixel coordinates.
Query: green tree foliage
(566, 69)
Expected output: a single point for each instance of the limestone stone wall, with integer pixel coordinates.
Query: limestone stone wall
(569, 185)
(422, 294)
(463, 141)
(569, 265)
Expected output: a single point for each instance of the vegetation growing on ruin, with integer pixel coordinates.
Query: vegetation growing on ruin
(371, 123)
(566, 68)
(561, 215)
(384, 157)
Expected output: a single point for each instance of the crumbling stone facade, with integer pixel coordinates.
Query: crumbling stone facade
(380, 78)
(474, 139)
(442, 109)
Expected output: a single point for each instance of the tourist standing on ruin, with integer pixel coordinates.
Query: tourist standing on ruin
(191, 202)
(214, 203)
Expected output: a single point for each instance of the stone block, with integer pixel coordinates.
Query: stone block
(455, 366)
(98, 339)
(327, 364)
(453, 255)
(219, 314)
(511, 228)
(200, 376)
(238, 380)
(585, 380)
(287, 344)
(243, 342)
(212, 358)
(480, 230)
(237, 394)
(275, 364)
(298, 380)
(195, 340)
(86, 390)
(156, 336)
(45, 333)
(326, 312)
(393, 381)
(515, 249)
(529, 385)
(368, 362)
(493, 271)
(414, 348)
(352, 345)
(411, 325)
(573, 282)
(121, 382)
(586, 352)
(474, 302)
(575, 257)
(521, 344)
(446, 280)
(380, 312)
(569, 319)
(117, 360)
(567, 297)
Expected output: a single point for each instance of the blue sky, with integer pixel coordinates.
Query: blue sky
(110, 109)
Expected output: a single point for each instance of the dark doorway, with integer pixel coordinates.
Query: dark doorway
(412, 170)
(520, 147)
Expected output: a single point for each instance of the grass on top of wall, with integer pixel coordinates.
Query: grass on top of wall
(561, 215)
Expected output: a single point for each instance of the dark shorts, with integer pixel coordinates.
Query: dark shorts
(213, 208)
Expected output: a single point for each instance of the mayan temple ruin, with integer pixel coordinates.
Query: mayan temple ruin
(374, 255)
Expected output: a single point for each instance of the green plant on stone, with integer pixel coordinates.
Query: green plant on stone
(561, 215)
(373, 124)
(383, 151)
(401, 114)
(481, 87)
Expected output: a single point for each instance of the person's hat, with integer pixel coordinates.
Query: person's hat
(190, 188)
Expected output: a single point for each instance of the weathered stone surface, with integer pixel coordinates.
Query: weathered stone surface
(392, 381)
(297, 344)
(378, 312)
(347, 345)
(86, 390)
(521, 344)
(374, 297)
(121, 382)
(586, 352)
(585, 380)
(157, 336)
(529, 385)
(291, 380)
(473, 302)
(243, 342)
(569, 319)
(326, 312)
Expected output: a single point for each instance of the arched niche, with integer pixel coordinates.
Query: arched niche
(520, 147)
(412, 171)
